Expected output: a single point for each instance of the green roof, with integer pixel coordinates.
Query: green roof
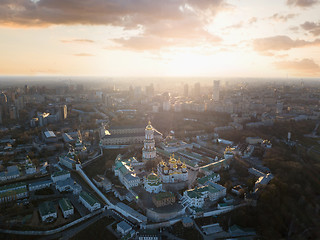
(59, 173)
(153, 176)
(65, 204)
(163, 195)
(13, 192)
(10, 186)
(89, 198)
(46, 208)
(203, 180)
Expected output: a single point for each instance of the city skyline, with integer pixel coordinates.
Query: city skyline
(162, 39)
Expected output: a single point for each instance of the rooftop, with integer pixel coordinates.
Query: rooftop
(49, 134)
(59, 173)
(46, 208)
(65, 204)
(89, 198)
(163, 195)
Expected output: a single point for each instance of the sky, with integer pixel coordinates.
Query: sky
(167, 38)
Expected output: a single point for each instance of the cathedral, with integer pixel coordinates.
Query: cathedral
(152, 183)
(149, 150)
(173, 171)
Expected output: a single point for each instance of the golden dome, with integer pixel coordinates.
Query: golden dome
(149, 127)
(184, 165)
(166, 168)
(179, 161)
(175, 166)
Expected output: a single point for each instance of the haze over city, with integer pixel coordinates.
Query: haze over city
(151, 120)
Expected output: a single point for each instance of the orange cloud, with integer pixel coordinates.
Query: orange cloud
(166, 19)
(83, 55)
(280, 42)
(312, 27)
(302, 3)
(282, 18)
(303, 67)
(77, 41)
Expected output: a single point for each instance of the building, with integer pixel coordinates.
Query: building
(50, 137)
(102, 182)
(13, 192)
(152, 183)
(228, 153)
(68, 185)
(11, 173)
(187, 222)
(263, 181)
(186, 90)
(30, 168)
(47, 211)
(163, 198)
(214, 177)
(173, 171)
(39, 185)
(125, 172)
(89, 201)
(197, 196)
(69, 160)
(216, 90)
(127, 135)
(171, 145)
(60, 176)
(148, 234)
(149, 151)
(66, 207)
(254, 140)
(124, 228)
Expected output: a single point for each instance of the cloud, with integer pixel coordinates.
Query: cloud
(167, 19)
(235, 26)
(282, 18)
(252, 20)
(77, 41)
(302, 3)
(305, 66)
(312, 27)
(83, 55)
(280, 42)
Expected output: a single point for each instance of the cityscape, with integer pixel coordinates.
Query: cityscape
(159, 120)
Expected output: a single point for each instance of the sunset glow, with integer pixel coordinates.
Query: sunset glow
(160, 38)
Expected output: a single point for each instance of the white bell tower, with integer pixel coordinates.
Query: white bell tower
(149, 151)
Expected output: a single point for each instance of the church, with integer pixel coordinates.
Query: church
(152, 183)
(173, 171)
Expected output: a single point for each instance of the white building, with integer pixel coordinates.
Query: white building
(66, 207)
(30, 168)
(68, 160)
(125, 172)
(68, 185)
(47, 211)
(152, 183)
(173, 171)
(216, 90)
(39, 185)
(89, 201)
(149, 150)
(12, 192)
(124, 228)
(60, 176)
(11, 173)
(197, 196)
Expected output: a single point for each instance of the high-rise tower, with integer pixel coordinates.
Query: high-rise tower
(216, 90)
(149, 150)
